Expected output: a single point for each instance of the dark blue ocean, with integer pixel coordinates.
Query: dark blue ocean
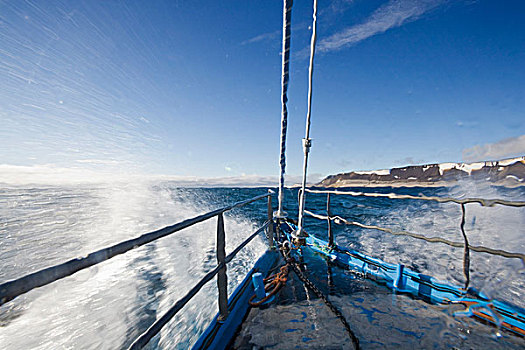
(107, 306)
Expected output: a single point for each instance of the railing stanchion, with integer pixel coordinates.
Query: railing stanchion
(328, 214)
(466, 252)
(222, 278)
(270, 219)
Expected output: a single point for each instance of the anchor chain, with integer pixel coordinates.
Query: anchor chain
(310, 285)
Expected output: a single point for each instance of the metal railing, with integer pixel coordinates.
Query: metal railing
(465, 245)
(12, 289)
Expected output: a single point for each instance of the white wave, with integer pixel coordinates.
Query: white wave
(496, 227)
(106, 306)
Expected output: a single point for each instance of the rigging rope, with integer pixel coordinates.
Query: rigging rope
(480, 249)
(307, 143)
(287, 23)
(480, 201)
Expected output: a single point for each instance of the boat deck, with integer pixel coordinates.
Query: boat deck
(379, 318)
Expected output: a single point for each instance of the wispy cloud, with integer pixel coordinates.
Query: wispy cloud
(336, 7)
(262, 37)
(511, 147)
(99, 161)
(466, 124)
(275, 35)
(391, 15)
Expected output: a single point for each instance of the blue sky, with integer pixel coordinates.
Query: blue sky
(192, 88)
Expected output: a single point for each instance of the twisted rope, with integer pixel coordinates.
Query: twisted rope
(287, 24)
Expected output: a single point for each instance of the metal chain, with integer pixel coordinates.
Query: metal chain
(309, 284)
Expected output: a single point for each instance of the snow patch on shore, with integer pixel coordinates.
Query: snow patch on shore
(446, 166)
(506, 162)
(469, 167)
(376, 172)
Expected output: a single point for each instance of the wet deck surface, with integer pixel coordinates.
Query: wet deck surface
(307, 324)
(380, 319)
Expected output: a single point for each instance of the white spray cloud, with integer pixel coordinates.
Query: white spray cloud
(509, 147)
(49, 174)
(391, 15)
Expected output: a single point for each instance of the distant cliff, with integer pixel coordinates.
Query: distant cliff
(506, 172)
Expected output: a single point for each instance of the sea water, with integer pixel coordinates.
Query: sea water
(109, 305)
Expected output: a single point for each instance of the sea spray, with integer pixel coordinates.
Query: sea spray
(497, 227)
(107, 306)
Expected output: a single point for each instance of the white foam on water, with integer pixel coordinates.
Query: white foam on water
(106, 306)
(85, 310)
(497, 227)
(185, 259)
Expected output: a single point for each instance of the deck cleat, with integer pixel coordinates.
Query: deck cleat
(261, 297)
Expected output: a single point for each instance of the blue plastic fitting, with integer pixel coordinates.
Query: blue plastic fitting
(258, 285)
(398, 282)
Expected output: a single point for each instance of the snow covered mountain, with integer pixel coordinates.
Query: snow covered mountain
(506, 172)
